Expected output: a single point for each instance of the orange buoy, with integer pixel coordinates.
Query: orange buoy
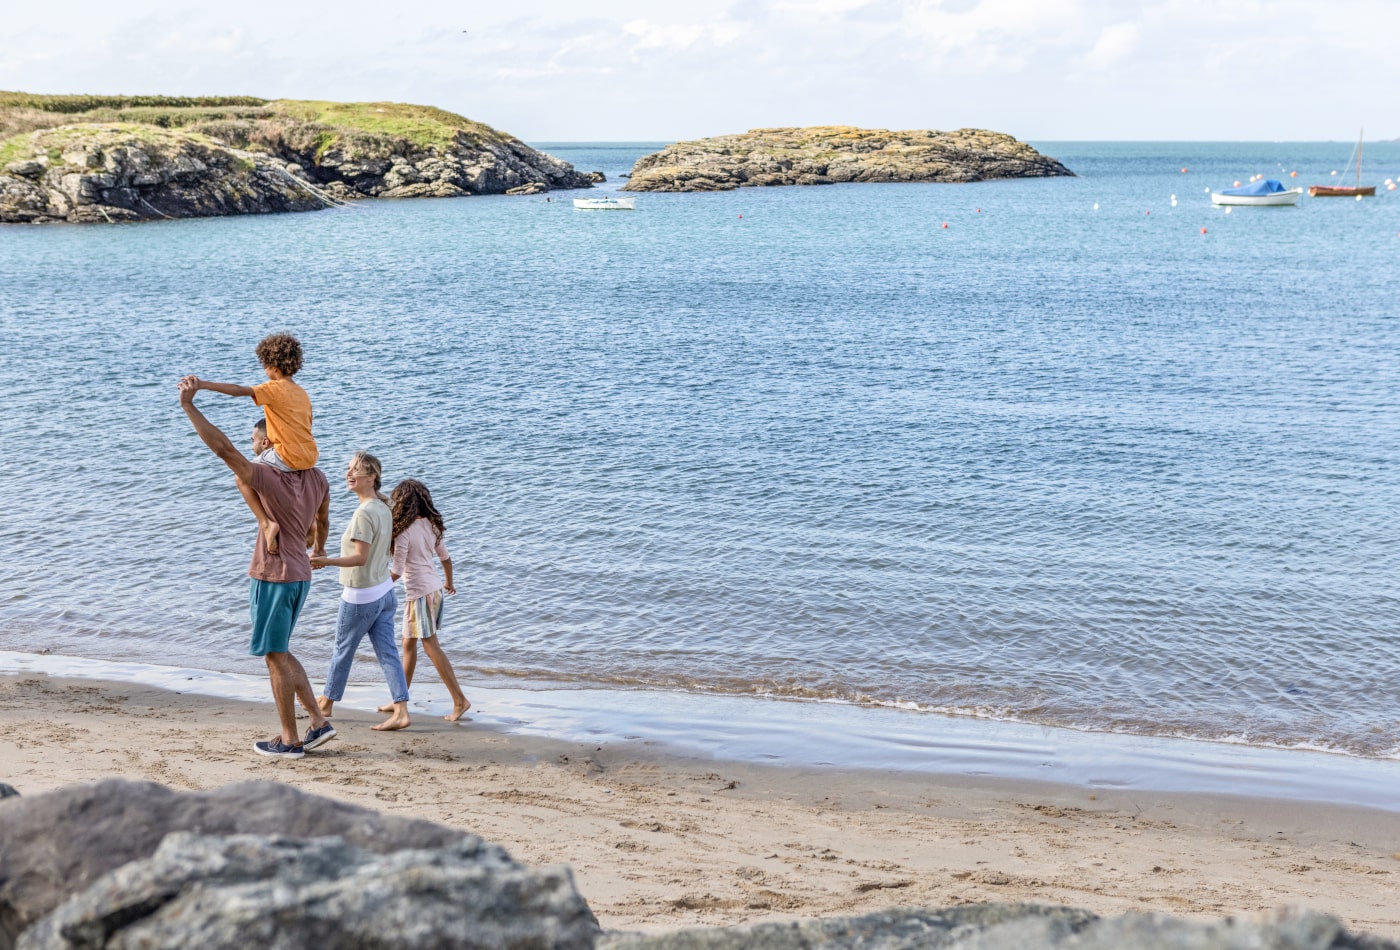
(741, 217)
(945, 225)
(1183, 171)
(1237, 184)
(1203, 230)
(979, 210)
(1293, 174)
(1147, 212)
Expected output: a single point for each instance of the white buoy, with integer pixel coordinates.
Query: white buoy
(1207, 191)
(1334, 171)
(1173, 202)
(1174, 196)
(1096, 206)
(1228, 209)
(1358, 197)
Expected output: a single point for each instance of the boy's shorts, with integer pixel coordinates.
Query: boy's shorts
(270, 457)
(274, 608)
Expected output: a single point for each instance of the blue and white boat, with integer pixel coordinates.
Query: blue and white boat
(1268, 191)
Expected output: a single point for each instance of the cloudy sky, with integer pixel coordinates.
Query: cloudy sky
(642, 71)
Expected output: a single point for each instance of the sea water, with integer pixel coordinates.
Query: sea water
(1084, 457)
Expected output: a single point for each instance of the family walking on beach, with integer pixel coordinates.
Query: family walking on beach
(388, 538)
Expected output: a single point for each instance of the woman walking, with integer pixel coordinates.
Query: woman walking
(417, 536)
(367, 601)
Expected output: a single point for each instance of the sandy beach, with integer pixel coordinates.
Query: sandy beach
(660, 841)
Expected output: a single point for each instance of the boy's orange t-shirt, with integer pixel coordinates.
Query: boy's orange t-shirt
(287, 408)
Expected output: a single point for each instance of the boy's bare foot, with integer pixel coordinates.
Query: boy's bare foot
(325, 705)
(387, 708)
(399, 720)
(458, 709)
(270, 530)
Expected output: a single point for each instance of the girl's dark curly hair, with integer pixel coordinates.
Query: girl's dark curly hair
(410, 501)
(281, 351)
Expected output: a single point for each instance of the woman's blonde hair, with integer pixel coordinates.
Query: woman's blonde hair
(368, 464)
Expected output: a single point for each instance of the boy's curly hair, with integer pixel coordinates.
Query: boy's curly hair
(281, 351)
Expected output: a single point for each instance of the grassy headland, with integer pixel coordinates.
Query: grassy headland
(347, 149)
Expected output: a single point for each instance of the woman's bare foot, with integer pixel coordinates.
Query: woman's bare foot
(399, 719)
(387, 708)
(270, 530)
(458, 709)
(325, 705)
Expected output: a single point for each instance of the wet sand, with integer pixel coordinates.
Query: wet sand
(659, 841)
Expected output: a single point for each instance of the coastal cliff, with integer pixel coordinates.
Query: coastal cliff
(823, 155)
(87, 158)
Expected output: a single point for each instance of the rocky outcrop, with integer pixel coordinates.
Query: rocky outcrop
(824, 155)
(132, 173)
(149, 162)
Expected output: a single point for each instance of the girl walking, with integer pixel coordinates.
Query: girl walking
(417, 537)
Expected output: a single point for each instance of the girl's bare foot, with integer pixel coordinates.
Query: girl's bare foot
(399, 720)
(270, 530)
(387, 708)
(458, 709)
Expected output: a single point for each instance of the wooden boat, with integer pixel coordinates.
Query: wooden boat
(1340, 191)
(605, 204)
(1265, 193)
(1345, 191)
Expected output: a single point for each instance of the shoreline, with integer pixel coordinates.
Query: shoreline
(661, 840)
(823, 735)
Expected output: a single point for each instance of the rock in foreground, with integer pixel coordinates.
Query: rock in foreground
(823, 155)
(56, 845)
(228, 893)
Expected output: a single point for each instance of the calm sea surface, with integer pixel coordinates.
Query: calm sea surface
(1064, 464)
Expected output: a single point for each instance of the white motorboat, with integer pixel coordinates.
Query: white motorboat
(1269, 191)
(605, 204)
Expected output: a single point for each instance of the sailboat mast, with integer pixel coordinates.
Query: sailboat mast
(1360, 144)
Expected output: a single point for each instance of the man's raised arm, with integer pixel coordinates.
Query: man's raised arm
(212, 435)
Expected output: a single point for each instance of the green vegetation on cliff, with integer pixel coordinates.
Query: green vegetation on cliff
(421, 126)
(76, 104)
(424, 126)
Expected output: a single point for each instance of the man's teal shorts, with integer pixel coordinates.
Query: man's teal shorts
(275, 608)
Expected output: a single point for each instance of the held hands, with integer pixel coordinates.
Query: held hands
(188, 386)
(318, 561)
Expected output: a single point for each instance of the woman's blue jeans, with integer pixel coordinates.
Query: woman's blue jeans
(354, 621)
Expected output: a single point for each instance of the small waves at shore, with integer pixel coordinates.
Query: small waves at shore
(825, 735)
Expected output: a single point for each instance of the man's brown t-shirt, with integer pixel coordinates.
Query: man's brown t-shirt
(291, 499)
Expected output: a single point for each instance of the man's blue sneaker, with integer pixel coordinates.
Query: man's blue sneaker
(279, 749)
(316, 738)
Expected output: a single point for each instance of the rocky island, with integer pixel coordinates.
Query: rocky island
(124, 158)
(823, 155)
